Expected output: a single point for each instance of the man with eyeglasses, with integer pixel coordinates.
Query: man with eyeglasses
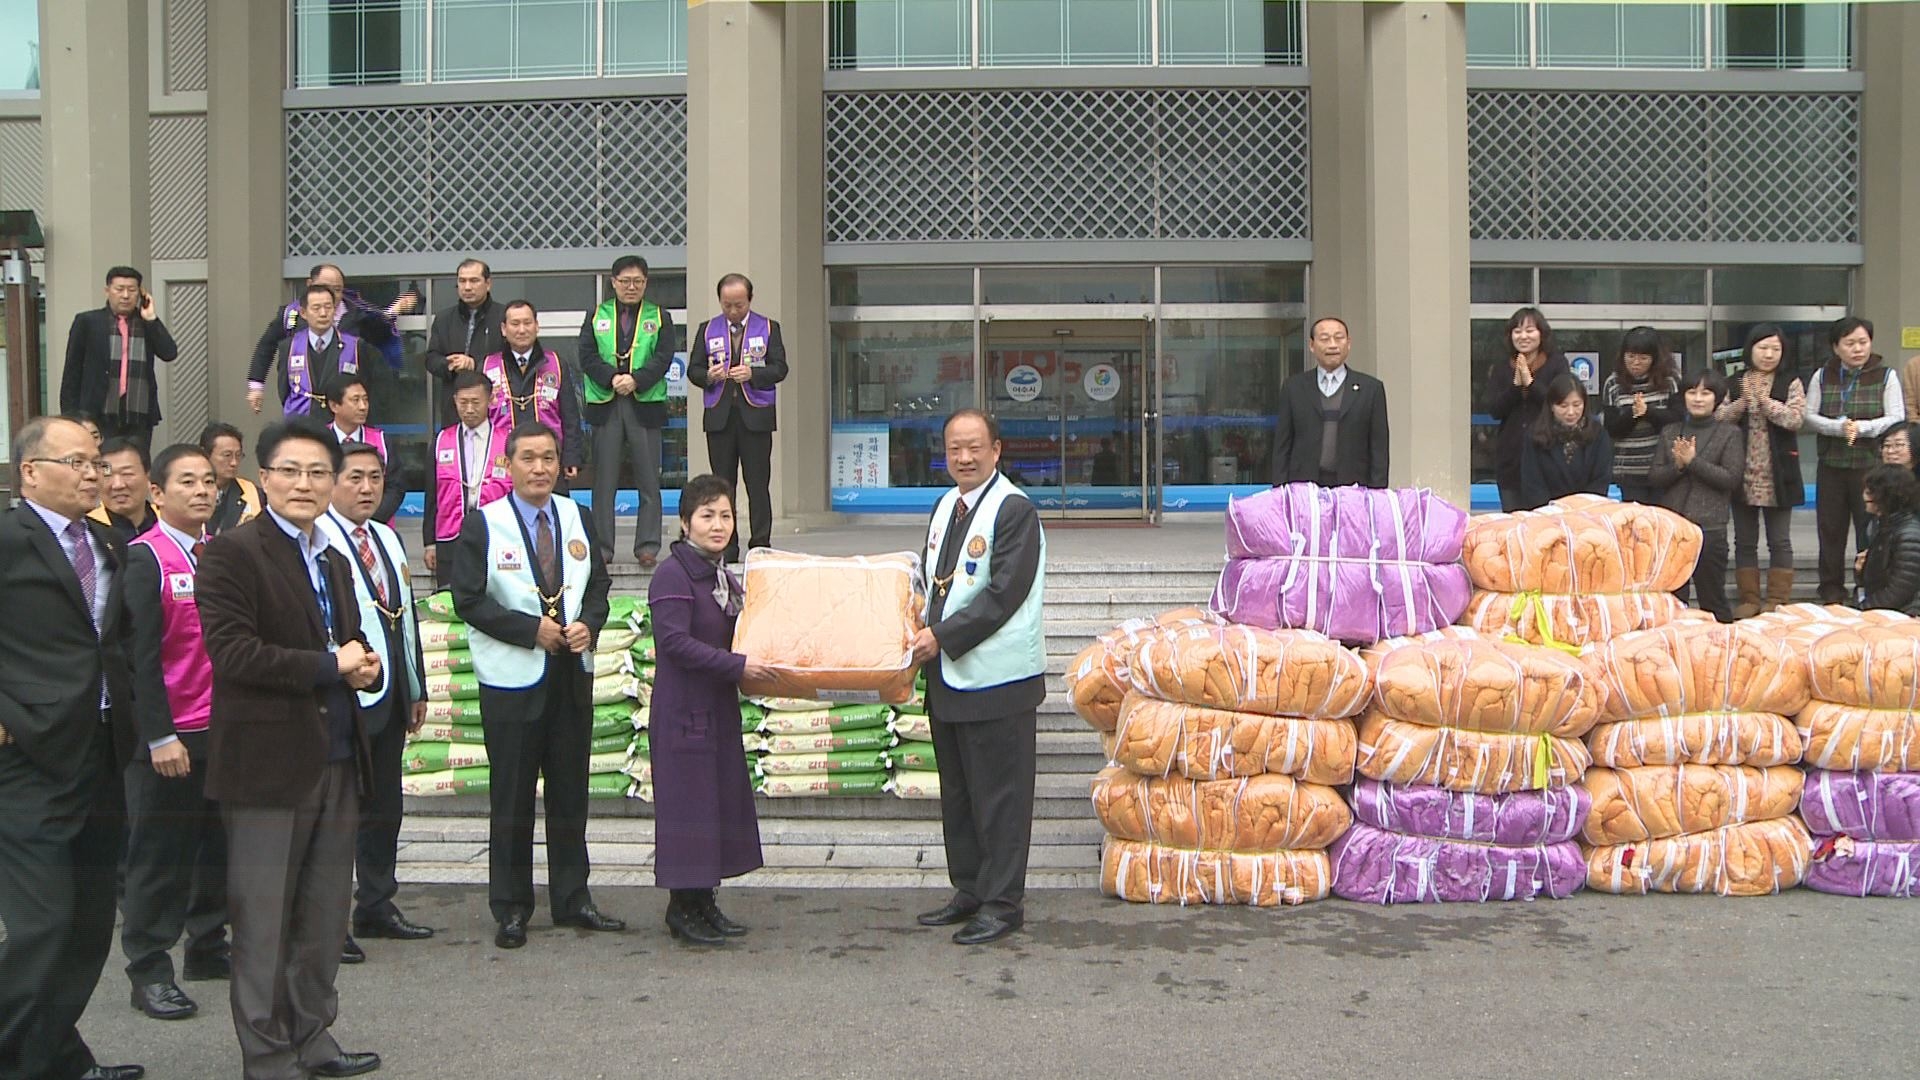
(124, 507)
(288, 759)
(239, 500)
(66, 736)
(309, 359)
(463, 334)
(624, 352)
(373, 326)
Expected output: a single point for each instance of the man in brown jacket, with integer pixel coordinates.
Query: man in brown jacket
(288, 758)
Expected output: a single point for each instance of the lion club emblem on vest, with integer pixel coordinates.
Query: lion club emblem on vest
(577, 549)
(976, 547)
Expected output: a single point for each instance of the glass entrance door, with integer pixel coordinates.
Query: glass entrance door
(1594, 345)
(1073, 400)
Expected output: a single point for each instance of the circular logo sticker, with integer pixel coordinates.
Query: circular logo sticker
(577, 548)
(1101, 382)
(1023, 382)
(976, 547)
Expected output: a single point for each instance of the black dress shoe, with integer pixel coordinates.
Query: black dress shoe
(114, 1072)
(348, 1065)
(953, 914)
(709, 910)
(163, 1001)
(513, 932)
(205, 968)
(394, 926)
(589, 918)
(688, 925)
(351, 952)
(985, 928)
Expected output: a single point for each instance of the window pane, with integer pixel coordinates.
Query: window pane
(646, 37)
(1627, 285)
(1497, 35)
(358, 42)
(895, 285)
(1233, 285)
(1783, 36)
(894, 384)
(1229, 32)
(1067, 285)
(513, 39)
(1042, 33)
(900, 33)
(1220, 394)
(1796, 285)
(19, 45)
(1622, 35)
(1500, 285)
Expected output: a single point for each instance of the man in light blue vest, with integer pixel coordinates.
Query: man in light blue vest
(532, 588)
(985, 654)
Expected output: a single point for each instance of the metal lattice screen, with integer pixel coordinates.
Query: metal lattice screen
(1664, 167)
(523, 176)
(1109, 164)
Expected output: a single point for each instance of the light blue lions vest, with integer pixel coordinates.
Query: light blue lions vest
(1018, 650)
(510, 583)
(394, 656)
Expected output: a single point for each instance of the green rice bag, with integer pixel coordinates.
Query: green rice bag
(607, 761)
(642, 715)
(453, 712)
(639, 767)
(909, 784)
(833, 762)
(751, 715)
(609, 744)
(607, 786)
(610, 663)
(446, 661)
(449, 687)
(644, 673)
(615, 639)
(616, 718)
(833, 784)
(639, 745)
(788, 704)
(608, 689)
(437, 607)
(642, 649)
(621, 608)
(428, 757)
(443, 635)
(470, 781)
(838, 718)
(916, 756)
(829, 741)
(435, 731)
(912, 727)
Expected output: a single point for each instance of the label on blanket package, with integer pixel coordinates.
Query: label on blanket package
(849, 697)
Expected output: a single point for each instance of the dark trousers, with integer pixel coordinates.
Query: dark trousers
(624, 438)
(1509, 499)
(1709, 579)
(1839, 501)
(986, 807)
(1747, 522)
(734, 450)
(176, 872)
(289, 884)
(139, 429)
(521, 749)
(377, 845)
(59, 846)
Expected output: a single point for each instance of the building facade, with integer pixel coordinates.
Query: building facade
(1105, 221)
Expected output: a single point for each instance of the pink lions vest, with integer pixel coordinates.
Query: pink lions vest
(183, 652)
(507, 410)
(449, 478)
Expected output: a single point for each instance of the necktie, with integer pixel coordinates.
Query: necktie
(126, 347)
(543, 550)
(959, 510)
(194, 555)
(475, 467)
(374, 573)
(80, 551)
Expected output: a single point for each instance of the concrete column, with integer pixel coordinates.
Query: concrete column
(93, 124)
(1889, 37)
(1341, 280)
(1416, 195)
(246, 191)
(801, 448)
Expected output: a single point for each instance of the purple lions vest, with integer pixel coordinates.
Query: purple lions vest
(449, 469)
(545, 397)
(753, 340)
(300, 392)
(183, 652)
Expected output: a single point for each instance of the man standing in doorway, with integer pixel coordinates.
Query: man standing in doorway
(109, 374)
(1332, 427)
(1851, 401)
(986, 659)
(624, 352)
(464, 334)
(738, 359)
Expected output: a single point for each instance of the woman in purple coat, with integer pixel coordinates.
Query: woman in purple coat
(704, 824)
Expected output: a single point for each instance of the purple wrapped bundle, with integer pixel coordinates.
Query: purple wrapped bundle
(1353, 563)
(1860, 868)
(1380, 867)
(1522, 818)
(1863, 805)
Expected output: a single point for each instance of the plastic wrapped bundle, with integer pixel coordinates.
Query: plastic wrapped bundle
(1486, 762)
(1375, 866)
(1585, 545)
(1875, 667)
(1656, 801)
(1754, 859)
(1520, 818)
(1163, 738)
(1862, 805)
(1849, 867)
(1099, 676)
(1148, 873)
(1353, 563)
(1484, 685)
(837, 628)
(1761, 739)
(1695, 667)
(1256, 814)
(1848, 737)
(1247, 669)
(1568, 622)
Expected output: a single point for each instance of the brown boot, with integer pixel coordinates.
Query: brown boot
(1779, 587)
(1747, 580)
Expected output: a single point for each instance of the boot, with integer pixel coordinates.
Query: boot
(685, 922)
(1747, 580)
(709, 910)
(1779, 587)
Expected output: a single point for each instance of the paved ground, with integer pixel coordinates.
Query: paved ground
(841, 984)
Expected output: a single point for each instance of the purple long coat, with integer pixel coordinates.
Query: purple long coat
(704, 826)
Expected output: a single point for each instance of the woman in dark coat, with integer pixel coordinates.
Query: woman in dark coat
(1890, 575)
(704, 828)
(1516, 397)
(1566, 452)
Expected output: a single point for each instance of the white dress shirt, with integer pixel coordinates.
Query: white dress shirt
(1332, 381)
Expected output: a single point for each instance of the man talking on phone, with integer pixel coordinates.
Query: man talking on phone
(108, 376)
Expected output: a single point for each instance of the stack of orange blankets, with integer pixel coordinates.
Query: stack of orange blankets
(834, 629)
(1470, 751)
(1583, 569)
(1225, 749)
(1694, 786)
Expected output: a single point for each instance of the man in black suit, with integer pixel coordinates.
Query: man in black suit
(1332, 427)
(311, 357)
(352, 314)
(66, 735)
(463, 335)
(738, 359)
(109, 376)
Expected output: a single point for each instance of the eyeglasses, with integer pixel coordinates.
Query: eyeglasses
(292, 473)
(635, 282)
(78, 464)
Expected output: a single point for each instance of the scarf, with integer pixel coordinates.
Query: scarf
(137, 402)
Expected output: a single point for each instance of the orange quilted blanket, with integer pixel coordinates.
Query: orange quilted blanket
(1098, 678)
(833, 627)
(1582, 544)
(1148, 873)
(1752, 859)
(1256, 814)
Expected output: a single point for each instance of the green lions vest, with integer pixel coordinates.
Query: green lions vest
(1018, 650)
(646, 330)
